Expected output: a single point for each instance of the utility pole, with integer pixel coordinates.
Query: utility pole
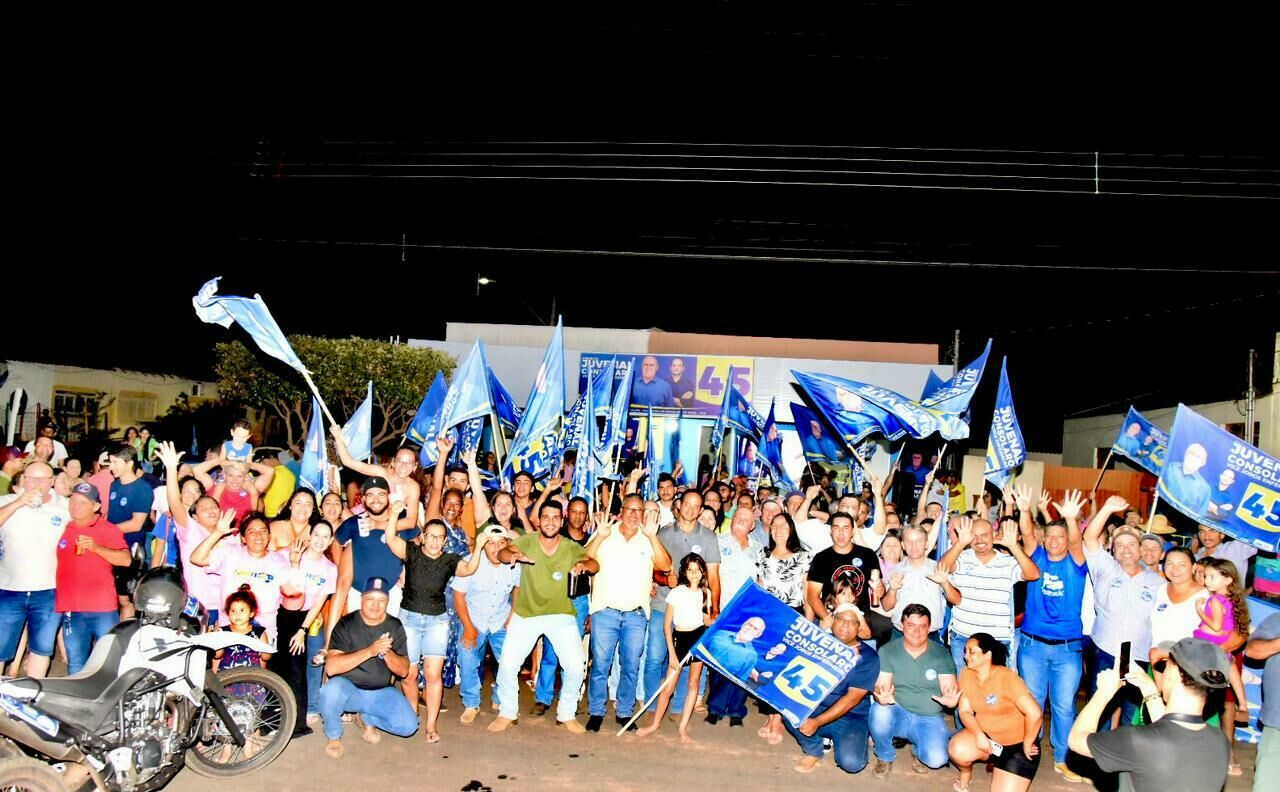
(1249, 405)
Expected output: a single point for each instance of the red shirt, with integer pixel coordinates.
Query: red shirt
(85, 582)
(239, 500)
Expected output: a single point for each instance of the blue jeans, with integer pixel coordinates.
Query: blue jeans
(655, 665)
(1053, 670)
(470, 662)
(80, 631)
(957, 652)
(726, 699)
(34, 610)
(546, 689)
(847, 734)
(315, 673)
(385, 708)
(928, 734)
(614, 631)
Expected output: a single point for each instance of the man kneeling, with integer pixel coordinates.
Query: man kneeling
(917, 679)
(367, 655)
(842, 715)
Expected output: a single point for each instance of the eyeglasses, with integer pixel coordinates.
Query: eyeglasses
(633, 508)
(1159, 666)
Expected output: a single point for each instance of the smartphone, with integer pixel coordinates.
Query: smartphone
(1124, 659)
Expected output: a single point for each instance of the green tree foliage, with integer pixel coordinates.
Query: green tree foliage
(341, 367)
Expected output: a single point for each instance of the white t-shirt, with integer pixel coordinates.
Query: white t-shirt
(59, 452)
(29, 544)
(688, 603)
(1172, 621)
(815, 535)
(868, 538)
(160, 500)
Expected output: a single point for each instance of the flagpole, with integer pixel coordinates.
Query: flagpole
(306, 375)
(672, 677)
(1154, 503)
(1105, 462)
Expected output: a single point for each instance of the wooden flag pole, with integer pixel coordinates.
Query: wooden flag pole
(1102, 473)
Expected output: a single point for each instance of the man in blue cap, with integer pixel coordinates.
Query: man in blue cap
(368, 655)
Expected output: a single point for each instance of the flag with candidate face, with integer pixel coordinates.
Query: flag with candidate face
(1006, 449)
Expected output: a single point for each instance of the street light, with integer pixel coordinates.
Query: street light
(482, 281)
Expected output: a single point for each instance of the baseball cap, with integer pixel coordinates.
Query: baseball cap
(1202, 661)
(376, 585)
(87, 490)
(104, 458)
(1152, 537)
(375, 482)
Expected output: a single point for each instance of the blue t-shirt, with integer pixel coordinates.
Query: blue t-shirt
(166, 531)
(656, 393)
(685, 385)
(1054, 601)
(127, 500)
(863, 676)
(242, 453)
(372, 556)
(1188, 490)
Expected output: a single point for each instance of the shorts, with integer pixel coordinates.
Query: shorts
(34, 610)
(684, 641)
(1013, 760)
(428, 635)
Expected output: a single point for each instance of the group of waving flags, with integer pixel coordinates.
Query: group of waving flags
(1241, 495)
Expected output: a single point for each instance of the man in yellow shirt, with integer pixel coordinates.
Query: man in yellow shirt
(283, 485)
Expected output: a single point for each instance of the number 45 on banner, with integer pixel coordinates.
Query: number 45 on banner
(1260, 507)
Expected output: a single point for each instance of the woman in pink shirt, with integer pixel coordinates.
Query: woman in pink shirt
(191, 526)
(249, 561)
(310, 581)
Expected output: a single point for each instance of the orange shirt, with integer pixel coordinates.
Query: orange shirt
(995, 703)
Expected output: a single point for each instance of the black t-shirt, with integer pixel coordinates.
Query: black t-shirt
(425, 580)
(856, 566)
(352, 635)
(1163, 757)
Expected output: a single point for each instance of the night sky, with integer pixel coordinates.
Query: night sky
(862, 171)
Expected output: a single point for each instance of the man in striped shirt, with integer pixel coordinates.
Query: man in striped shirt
(980, 588)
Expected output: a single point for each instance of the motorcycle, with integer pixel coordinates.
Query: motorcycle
(145, 705)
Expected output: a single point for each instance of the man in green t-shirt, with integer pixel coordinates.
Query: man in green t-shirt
(917, 679)
(543, 608)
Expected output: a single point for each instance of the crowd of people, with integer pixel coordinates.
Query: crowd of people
(967, 619)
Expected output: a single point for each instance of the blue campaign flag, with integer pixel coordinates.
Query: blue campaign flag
(1142, 443)
(357, 433)
(776, 654)
(1219, 480)
(251, 314)
(817, 438)
(1005, 447)
(771, 450)
(427, 412)
(954, 395)
(586, 467)
(652, 460)
(537, 441)
(931, 385)
(601, 389)
(467, 397)
(673, 447)
(195, 443)
(509, 414)
(315, 455)
(740, 415)
(847, 406)
(615, 430)
(722, 420)
(573, 425)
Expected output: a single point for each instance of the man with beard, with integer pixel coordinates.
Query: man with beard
(366, 555)
(575, 528)
(843, 565)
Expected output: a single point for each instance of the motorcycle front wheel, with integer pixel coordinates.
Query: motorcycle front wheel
(262, 706)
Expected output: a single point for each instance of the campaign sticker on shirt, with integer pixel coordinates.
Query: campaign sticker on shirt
(1146, 595)
(696, 549)
(557, 576)
(930, 674)
(62, 545)
(857, 562)
(992, 699)
(124, 501)
(1117, 583)
(55, 521)
(115, 495)
(1161, 607)
(728, 551)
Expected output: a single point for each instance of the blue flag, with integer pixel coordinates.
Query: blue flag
(509, 414)
(771, 451)
(586, 467)
(1142, 443)
(251, 314)
(1005, 447)
(651, 460)
(954, 395)
(776, 654)
(673, 447)
(931, 385)
(741, 416)
(1219, 480)
(427, 412)
(537, 441)
(358, 431)
(195, 443)
(818, 440)
(315, 455)
(615, 430)
(601, 389)
(854, 415)
(468, 397)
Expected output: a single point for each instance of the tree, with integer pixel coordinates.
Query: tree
(340, 367)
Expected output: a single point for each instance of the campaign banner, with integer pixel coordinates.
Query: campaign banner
(1142, 443)
(1006, 449)
(776, 654)
(1221, 481)
(694, 383)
